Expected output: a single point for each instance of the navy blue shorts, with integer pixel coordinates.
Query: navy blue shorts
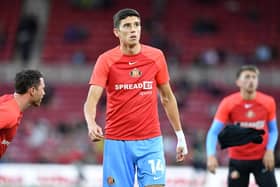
(239, 171)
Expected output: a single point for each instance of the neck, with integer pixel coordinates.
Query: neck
(248, 95)
(130, 49)
(22, 101)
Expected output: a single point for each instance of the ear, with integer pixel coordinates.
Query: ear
(31, 91)
(237, 82)
(116, 32)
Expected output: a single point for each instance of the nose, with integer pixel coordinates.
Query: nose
(133, 29)
(252, 78)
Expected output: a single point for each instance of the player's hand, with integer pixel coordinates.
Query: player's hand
(95, 132)
(181, 150)
(212, 164)
(268, 160)
(180, 154)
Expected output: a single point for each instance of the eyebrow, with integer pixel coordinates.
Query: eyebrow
(129, 23)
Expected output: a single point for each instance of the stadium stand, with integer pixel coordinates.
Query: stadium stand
(236, 30)
(9, 17)
(96, 24)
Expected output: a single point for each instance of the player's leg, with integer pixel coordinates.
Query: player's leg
(238, 173)
(150, 162)
(118, 167)
(263, 177)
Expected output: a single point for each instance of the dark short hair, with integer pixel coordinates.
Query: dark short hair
(247, 68)
(122, 14)
(27, 79)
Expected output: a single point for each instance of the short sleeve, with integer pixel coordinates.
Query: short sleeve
(222, 112)
(162, 76)
(272, 110)
(100, 72)
(6, 119)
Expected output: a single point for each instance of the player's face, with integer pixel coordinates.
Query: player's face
(129, 30)
(248, 81)
(38, 93)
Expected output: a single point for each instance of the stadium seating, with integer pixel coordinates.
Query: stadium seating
(97, 23)
(9, 17)
(236, 32)
(65, 106)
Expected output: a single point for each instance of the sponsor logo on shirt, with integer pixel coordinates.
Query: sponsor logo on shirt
(248, 105)
(258, 124)
(5, 142)
(131, 63)
(145, 85)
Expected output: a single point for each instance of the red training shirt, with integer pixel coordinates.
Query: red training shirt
(254, 113)
(10, 116)
(131, 86)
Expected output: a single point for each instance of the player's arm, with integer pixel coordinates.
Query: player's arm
(217, 125)
(6, 119)
(211, 144)
(169, 103)
(94, 131)
(3, 122)
(273, 135)
(212, 137)
(268, 159)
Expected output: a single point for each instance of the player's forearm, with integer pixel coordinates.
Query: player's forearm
(90, 105)
(172, 112)
(211, 142)
(212, 137)
(90, 113)
(273, 135)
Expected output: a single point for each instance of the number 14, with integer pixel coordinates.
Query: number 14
(156, 165)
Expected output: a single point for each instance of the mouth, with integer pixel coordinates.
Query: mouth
(251, 86)
(133, 37)
(40, 100)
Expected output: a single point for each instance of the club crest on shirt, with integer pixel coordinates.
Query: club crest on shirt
(250, 114)
(135, 73)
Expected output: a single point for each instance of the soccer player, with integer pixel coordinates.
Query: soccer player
(132, 74)
(29, 91)
(251, 109)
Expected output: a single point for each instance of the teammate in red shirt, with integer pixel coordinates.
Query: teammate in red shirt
(29, 91)
(132, 74)
(250, 109)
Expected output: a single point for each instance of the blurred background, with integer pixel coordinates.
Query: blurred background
(204, 41)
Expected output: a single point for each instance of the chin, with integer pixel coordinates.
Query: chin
(133, 42)
(36, 104)
(251, 91)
